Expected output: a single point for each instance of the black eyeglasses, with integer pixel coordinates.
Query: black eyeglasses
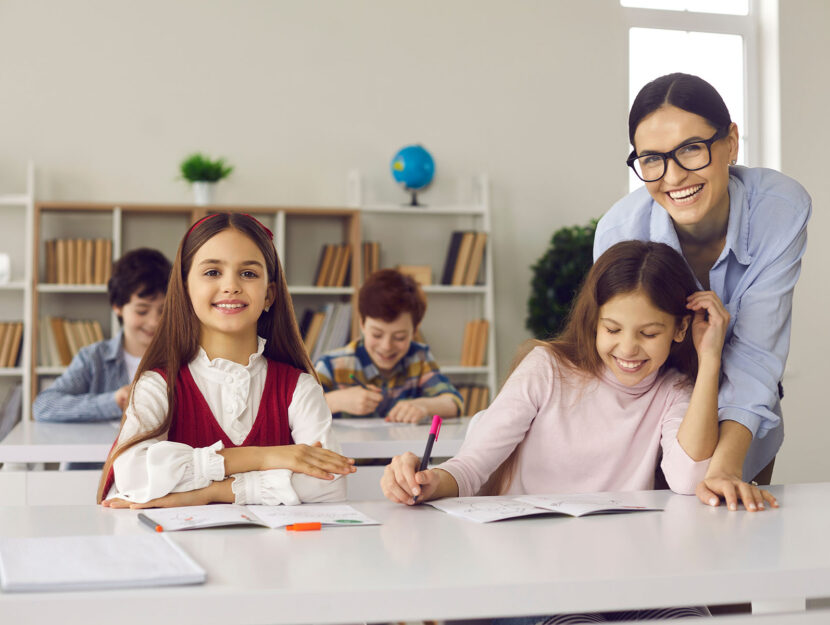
(690, 156)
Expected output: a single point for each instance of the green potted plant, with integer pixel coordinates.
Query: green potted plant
(557, 276)
(203, 173)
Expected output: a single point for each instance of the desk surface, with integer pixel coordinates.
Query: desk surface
(90, 442)
(424, 564)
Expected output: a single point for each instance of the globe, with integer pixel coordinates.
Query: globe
(413, 168)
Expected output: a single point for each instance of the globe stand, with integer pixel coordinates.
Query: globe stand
(413, 198)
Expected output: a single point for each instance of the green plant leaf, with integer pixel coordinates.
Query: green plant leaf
(199, 168)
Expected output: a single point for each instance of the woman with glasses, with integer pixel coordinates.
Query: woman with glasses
(743, 232)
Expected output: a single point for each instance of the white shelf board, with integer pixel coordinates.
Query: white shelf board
(404, 209)
(50, 370)
(446, 288)
(320, 290)
(10, 372)
(14, 199)
(72, 288)
(463, 369)
(13, 286)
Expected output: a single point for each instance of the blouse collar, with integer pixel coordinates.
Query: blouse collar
(222, 364)
(641, 388)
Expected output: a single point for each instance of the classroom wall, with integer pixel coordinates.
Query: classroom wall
(805, 135)
(107, 97)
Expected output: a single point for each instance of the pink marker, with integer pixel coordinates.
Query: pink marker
(433, 436)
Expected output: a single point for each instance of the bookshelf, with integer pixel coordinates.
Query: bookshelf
(16, 212)
(298, 231)
(421, 236)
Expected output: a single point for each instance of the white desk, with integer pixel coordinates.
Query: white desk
(90, 442)
(423, 564)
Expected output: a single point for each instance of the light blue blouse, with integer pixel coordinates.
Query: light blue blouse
(754, 275)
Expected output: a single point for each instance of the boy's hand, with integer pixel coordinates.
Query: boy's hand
(407, 411)
(709, 324)
(312, 460)
(402, 482)
(122, 396)
(357, 400)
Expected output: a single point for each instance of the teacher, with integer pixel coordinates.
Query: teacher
(743, 231)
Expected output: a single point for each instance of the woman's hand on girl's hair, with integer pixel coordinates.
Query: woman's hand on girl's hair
(312, 460)
(709, 324)
(402, 482)
(732, 489)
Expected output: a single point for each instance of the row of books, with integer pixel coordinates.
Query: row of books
(476, 398)
(333, 266)
(474, 344)
(11, 338)
(370, 258)
(78, 261)
(465, 256)
(326, 329)
(59, 340)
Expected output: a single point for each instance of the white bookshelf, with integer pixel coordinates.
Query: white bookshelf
(434, 223)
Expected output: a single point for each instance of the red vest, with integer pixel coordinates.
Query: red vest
(194, 424)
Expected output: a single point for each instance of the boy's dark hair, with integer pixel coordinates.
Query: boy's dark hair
(388, 293)
(143, 272)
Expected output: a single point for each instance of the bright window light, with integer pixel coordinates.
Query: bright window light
(717, 58)
(723, 7)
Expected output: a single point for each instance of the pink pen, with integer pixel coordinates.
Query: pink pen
(433, 436)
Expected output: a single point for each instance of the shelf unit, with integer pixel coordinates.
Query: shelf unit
(17, 211)
(427, 244)
(161, 226)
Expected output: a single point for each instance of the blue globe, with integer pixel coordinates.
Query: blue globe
(413, 167)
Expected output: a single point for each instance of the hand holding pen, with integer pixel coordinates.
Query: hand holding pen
(406, 479)
(362, 399)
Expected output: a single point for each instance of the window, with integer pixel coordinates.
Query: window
(713, 39)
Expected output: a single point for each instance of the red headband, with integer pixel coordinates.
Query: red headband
(257, 221)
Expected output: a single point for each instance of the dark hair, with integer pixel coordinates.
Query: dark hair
(387, 294)
(143, 272)
(685, 91)
(654, 268)
(176, 342)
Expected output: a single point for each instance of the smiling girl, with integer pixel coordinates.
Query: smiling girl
(226, 406)
(742, 231)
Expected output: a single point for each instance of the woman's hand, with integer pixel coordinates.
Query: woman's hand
(312, 460)
(407, 411)
(732, 488)
(709, 324)
(402, 482)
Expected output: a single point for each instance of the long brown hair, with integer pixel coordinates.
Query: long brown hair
(176, 341)
(657, 270)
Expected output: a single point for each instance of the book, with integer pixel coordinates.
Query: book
(61, 342)
(422, 274)
(467, 343)
(324, 265)
(218, 515)
(313, 333)
(51, 265)
(479, 342)
(452, 254)
(501, 507)
(97, 332)
(107, 260)
(59, 563)
(463, 258)
(98, 263)
(17, 338)
(476, 258)
(61, 261)
(371, 258)
(343, 264)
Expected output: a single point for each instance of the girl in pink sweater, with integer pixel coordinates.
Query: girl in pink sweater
(634, 373)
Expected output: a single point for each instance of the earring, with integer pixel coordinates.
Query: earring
(267, 308)
(733, 162)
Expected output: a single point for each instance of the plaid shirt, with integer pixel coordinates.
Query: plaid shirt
(415, 375)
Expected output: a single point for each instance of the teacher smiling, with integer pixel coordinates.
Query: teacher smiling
(743, 232)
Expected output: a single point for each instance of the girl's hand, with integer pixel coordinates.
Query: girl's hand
(199, 497)
(709, 325)
(402, 482)
(731, 488)
(407, 411)
(312, 460)
(358, 400)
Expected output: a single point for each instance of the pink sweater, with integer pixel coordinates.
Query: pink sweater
(579, 435)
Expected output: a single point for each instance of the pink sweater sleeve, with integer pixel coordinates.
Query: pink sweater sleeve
(504, 425)
(682, 473)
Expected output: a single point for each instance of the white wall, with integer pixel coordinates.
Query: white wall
(107, 97)
(805, 130)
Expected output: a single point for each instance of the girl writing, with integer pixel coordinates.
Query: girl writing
(225, 406)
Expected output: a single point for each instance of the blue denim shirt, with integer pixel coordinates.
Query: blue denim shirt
(86, 390)
(754, 276)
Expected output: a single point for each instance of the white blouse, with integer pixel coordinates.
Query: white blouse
(156, 467)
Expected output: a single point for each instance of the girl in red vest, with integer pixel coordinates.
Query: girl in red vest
(225, 406)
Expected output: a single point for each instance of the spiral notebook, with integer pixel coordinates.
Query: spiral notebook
(58, 563)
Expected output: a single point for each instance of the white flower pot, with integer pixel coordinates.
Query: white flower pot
(203, 193)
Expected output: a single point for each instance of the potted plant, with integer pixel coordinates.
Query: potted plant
(557, 276)
(203, 173)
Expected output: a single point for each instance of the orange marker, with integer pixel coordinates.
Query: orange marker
(149, 522)
(304, 527)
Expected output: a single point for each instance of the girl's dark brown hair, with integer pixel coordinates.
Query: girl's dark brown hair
(176, 341)
(653, 268)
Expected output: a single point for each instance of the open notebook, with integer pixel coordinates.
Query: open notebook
(217, 515)
(498, 508)
(57, 563)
